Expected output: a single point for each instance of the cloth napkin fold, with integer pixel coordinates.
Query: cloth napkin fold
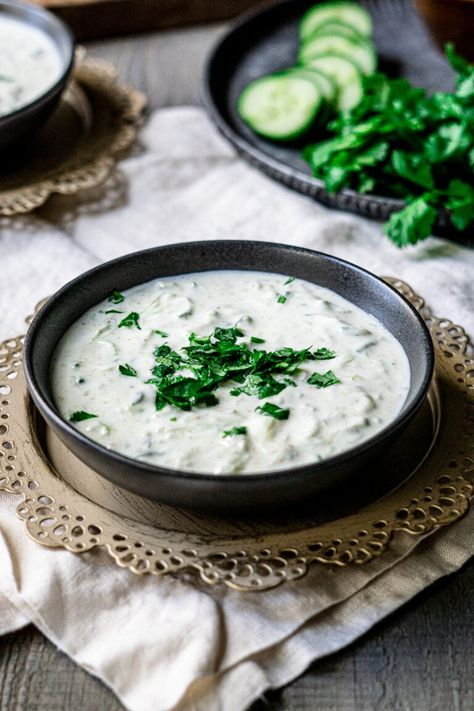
(178, 644)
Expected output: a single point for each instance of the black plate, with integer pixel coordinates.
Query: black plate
(348, 472)
(266, 41)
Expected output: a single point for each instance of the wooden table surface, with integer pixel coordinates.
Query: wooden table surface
(419, 659)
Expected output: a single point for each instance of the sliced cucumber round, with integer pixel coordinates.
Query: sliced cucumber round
(350, 13)
(323, 82)
(345, 74)
(360, 51)
(334, 27)
(280, 106)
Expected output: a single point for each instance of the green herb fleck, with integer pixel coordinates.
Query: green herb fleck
(323, 380)
(173, 419)
(279, 413)
(324, 354)
(130, 320)
(255, 339)
(235, 431)
(128, 370)
(160, 333)
(116, 297)
(113, 311)
(281, 299)
(289, 280)
(80, 415)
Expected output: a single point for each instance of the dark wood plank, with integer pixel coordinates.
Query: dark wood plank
(94, 19)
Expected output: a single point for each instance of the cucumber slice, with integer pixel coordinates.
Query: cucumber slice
(322, 81)
(359, 51)
(350, 13)
(345, 74)
(336, 28)
(280, 106)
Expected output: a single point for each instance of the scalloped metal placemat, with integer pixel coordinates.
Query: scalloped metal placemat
(436, 494)
(96, 121)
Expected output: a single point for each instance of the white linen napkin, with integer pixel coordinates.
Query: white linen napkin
(178, 644)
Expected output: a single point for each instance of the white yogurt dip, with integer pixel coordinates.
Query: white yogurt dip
(30, 63)
(101, 368)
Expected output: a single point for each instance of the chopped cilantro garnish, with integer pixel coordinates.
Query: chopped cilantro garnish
(80, 415)
(281, 299)
(113, 311)
(260, 385)
(279, 413)
(324, 354)
(116, 297)
(130, 320)
(128, 370)
(323, 380)
(255, 339)
(160, 333)
(191, 377)
(235, 431)
(289, 280)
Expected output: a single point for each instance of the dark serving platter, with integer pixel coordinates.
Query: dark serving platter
(266, 41)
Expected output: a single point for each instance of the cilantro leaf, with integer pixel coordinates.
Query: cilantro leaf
(323, 354)
(323, 380)
(131, 320)
(80, 415)
(411, 224)
(413, 167)
(279, 413)
(160, 333)
(290, 280)
(281, 299)
(242, 430)
(261, 386)
(461, 203)
(128, 370)
(113, 311)
(255, 339)
(116, 297)
(458, 63)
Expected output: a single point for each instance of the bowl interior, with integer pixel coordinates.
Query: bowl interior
(353, 283)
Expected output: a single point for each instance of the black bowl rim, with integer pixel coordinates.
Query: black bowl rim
(404, 415)
(22, 11)
(256, 155)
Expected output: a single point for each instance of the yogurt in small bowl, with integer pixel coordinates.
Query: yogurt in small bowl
(36, 59)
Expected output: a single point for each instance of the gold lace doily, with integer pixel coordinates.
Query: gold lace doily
(436, 494)
(96, 120)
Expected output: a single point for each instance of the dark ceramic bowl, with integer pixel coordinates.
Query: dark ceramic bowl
(25, 120)
(346, 472)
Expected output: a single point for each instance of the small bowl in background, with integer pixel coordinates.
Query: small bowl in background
(25, 120)
(450, 21)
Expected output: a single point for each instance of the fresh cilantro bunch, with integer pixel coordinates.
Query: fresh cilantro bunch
(402, 142)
